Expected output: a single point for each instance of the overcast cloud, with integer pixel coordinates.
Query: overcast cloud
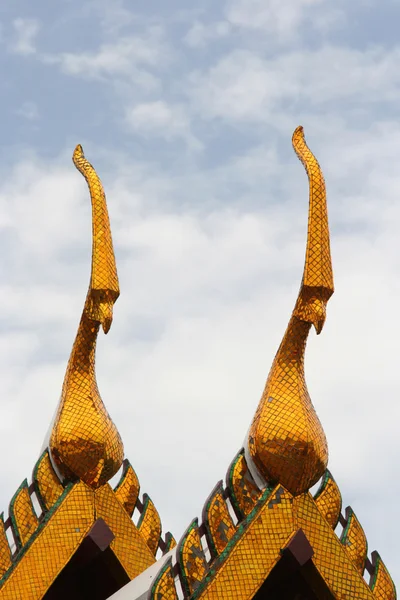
(187, 115)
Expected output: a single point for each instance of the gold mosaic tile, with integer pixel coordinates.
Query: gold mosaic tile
(244, 491)
(192, 560)
(252, 552)
(85, 443)
(50, 549)
(127, 490)
(330, 557)
(23, 516)
(354, 540)
(286, 439)
(218, 521)
(5, 553)
(164, 585)
(128, 545)
(149, 524)
(381, 583)
(329, 499)
(170, 542)
(47, 484)
(256, 547)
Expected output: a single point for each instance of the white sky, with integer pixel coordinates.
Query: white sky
(187, 114)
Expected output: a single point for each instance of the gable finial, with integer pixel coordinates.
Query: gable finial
(84, 442)
(286, 439)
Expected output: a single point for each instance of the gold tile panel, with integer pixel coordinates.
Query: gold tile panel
(149, 524)
(23, 516)
(354, 540)
(253, 551)
(51, 548)
(47, 552)
(286, 439)
(128, 545)
(5, 553)
(330, 557)
(256, 547)
(47, 484)
(192, 560)
(85, 443)
(381, 583)
(127, 490)
(170, 542)
(329, 499)
(164, 585)
(244, 491)
(218, 522)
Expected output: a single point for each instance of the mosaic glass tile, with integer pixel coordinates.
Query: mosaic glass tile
(354, 540)
(253, 551)
(51, 547)
(85, 443)
(243, 489)
(218, 521)
(164, 585)
(5, 553)
(149, 524)
(329, 499)
(23, 516)
(381, 583)
(170, 542)
(47, 485)
(128, 545)
(192, 560)
(286, 439)
(127, 490)
(330, 557)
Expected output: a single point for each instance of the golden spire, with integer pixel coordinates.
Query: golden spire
(84, 441)
(286, 439)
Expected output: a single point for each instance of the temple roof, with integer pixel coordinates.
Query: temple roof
(262, 534)
(259, 533)
(70, 514)
(271, 537)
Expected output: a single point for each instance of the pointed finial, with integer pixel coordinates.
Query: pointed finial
(286, 439)
(104, 286)
(84, 442)
(317, 284)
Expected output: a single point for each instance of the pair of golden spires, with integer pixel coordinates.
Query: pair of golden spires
(286, 441)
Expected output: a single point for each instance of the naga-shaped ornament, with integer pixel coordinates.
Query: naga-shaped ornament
(286, 439)
(84, 442)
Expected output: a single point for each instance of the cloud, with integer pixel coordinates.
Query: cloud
(199, 34)
(113, 17)
(26, 31)
(28, 110)
(125, 57)
(281, 21)
(243, 85)
(24, 220)
(160, 119)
